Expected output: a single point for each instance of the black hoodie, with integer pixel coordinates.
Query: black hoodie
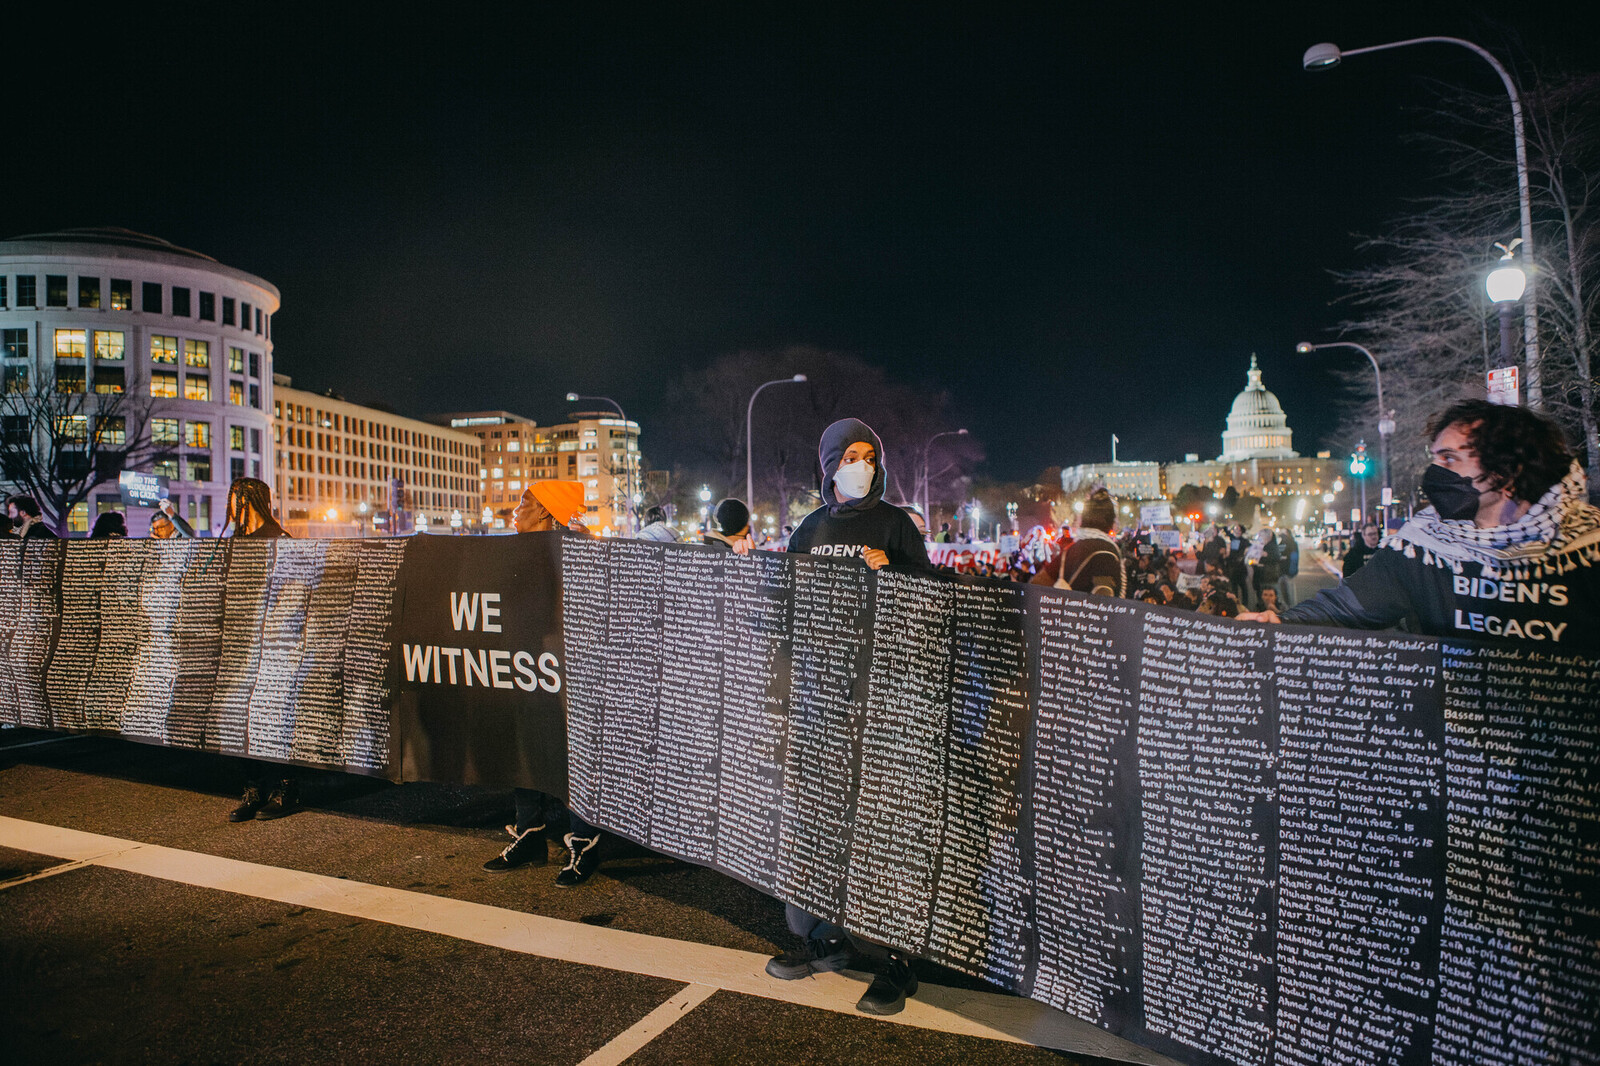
(845, 528)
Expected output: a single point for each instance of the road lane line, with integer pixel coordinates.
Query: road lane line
(38, 875)
(988, 1015)
(624, 1044)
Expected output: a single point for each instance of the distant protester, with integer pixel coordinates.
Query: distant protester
(655, 526)
(1093, 563)
(111, 524)
(730, 522)
(27, 519)
(168, 524)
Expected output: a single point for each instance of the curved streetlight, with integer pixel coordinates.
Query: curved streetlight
(1326, 56)
(749, 455)
(927, 513)
(632, 512)
(1385, 416)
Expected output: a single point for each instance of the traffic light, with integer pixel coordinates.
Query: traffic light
(1358, 461)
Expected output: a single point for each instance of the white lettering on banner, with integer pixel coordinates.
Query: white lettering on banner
(852, 551)
(475, 611)
(1536, 629)
(484, 667)
(1483, 588)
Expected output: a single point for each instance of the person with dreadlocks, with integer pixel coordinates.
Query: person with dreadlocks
(266, 795)
(250, 509)
(1506, 551)
(854, 522)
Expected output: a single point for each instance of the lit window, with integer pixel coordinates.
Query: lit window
(236, 360)
(236, 393)
(112, 430)
(197, 434)
(110, 379)
(74, 428)
(70, 379)
(197, 354)
(236, 438)
(14, 343)
(70, 343)
(196, 388)
(198, 469)
(163, 349)
(78, 517)
(16, 378)
(497, 472)
(513, 446)
(163, 431)
(514, 486)
(108, 343)
(165, 466)
(121, 294)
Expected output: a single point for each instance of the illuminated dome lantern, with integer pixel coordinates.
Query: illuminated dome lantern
(1257, 426)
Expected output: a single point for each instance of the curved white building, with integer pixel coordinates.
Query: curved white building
(108, 310)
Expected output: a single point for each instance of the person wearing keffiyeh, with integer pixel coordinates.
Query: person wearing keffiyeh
(1508, 550)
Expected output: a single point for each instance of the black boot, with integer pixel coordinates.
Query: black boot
(283, 800)
(254, 800)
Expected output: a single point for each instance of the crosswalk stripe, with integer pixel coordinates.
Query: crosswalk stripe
(952, 1010)
(652, 1025)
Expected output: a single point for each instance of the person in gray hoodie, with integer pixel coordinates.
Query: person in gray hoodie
(854, 522)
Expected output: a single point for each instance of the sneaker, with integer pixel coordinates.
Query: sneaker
(526, 849)
(582, 860)
(812, 956)
(284, 800)
(254, 800)
(889, 989)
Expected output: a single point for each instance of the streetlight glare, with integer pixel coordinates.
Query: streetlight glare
(1323, 56)
(572, 397)
(798, 377)
(1305, 347)
(1506, 284)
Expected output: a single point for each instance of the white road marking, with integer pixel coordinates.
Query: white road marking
(652, 1025)
(40, 743)
(950, 1010)
(38, 875)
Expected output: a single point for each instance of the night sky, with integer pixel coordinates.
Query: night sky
(1079, 223)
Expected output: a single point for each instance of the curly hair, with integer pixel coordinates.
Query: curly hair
(248, 494)
(1518, 449)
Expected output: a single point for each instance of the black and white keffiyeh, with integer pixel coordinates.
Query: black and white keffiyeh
(1559, 532)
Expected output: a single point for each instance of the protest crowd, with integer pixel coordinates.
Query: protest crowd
(1508, 502)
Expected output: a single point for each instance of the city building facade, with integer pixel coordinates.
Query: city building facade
(596, 448)
(343, 469)
(1258, 459)
(182, 341)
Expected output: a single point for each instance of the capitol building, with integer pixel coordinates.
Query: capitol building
(1257, 459)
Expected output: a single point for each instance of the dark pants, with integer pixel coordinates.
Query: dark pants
(538, 808)
(810, 927)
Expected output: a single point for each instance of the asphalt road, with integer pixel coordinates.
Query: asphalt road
(138, 925)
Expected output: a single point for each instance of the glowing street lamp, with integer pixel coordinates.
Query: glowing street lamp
(1505, 286)
(1327, 56)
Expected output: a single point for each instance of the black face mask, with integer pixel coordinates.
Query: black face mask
(1452, 495)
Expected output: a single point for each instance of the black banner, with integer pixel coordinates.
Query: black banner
(1228, 842)
(478, 659)
(271, 649)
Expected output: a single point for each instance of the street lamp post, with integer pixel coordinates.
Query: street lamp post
(749, 455)
(1385, 416)
(1505, 286)
(628, 460)
(1327, 56)
(927, 513)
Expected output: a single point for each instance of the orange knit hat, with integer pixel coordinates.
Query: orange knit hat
(563, 499)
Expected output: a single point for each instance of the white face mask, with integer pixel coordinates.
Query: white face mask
(852, 481)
